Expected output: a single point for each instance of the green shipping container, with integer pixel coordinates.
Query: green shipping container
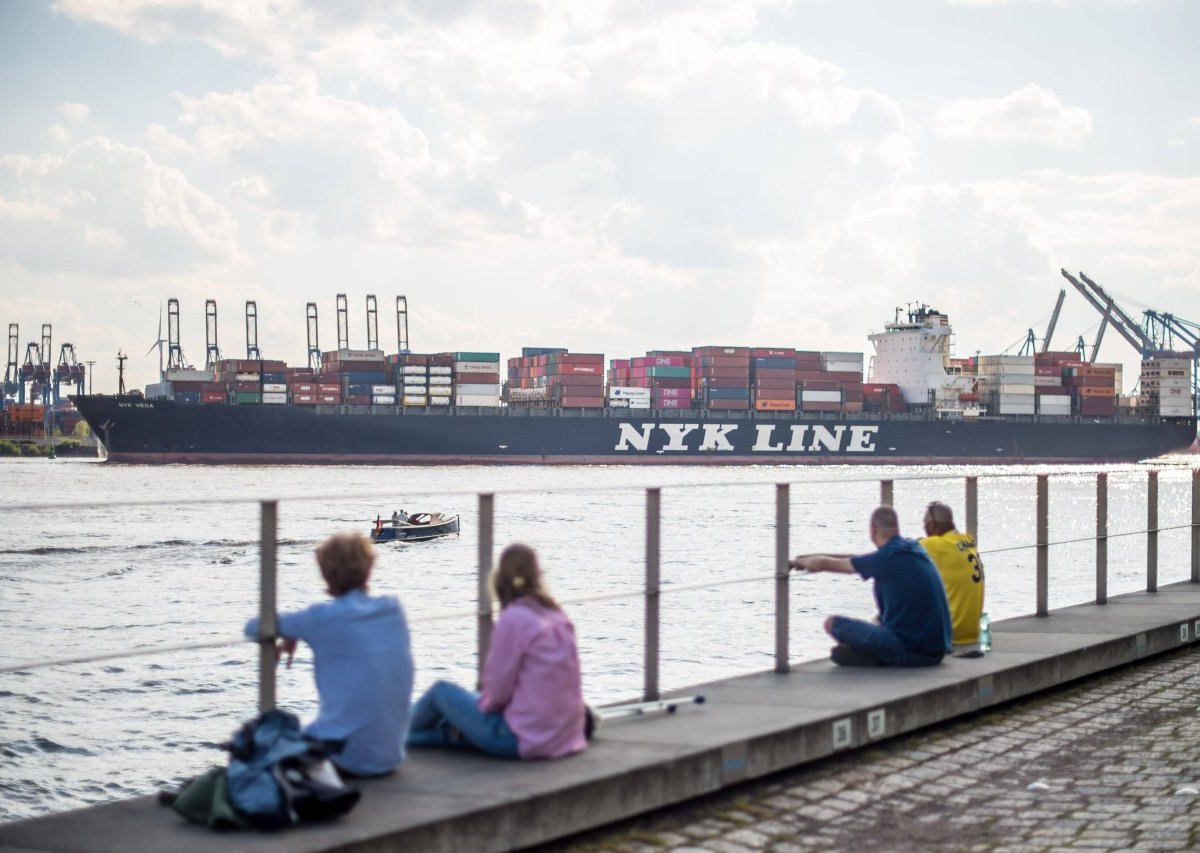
(477, 356)
(247, 397)
(669, 372)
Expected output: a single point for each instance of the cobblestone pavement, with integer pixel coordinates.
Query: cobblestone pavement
(1111, 763)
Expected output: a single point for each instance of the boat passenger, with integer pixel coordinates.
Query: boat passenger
(957, 560)
(531, 705)
(913, 627)
(399, 518)
(362, 659)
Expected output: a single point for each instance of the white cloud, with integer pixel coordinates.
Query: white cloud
(108, 208)
(75, 113)
(1029, 114)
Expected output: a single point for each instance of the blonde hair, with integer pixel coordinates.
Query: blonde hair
(518, 575)
(345, 560)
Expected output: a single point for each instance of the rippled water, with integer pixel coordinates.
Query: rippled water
(85, 574)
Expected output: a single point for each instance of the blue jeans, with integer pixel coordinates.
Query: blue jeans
(449, 715)
(879, 641)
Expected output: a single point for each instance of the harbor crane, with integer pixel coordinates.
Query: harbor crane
(12, 371)
(402, 324)
(68, 372)
(343, 323)
(372, 323)
(314, 348)
(1030, 346)
(253, 353)
(175, 359)
(212, 352)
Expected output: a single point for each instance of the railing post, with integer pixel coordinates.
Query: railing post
(1043, 535)
(483, 599)
(1102, 538)
(267, 625)
(1196, 525)
(782, 572)
(1152, 531)
(886, 492)
(650, 649)
(973, 507)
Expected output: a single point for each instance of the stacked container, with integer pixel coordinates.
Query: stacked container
(362, 376)
(773, 379)
(557, 378)
(476, 378)
(721, 377)
(661, 379)
(410, 373)
(1051, 396)
(882, 397)
(1166, 386)
(829, 381)
(1007, 383)
(1093, 387)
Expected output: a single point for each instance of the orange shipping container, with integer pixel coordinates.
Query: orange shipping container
(762, 405)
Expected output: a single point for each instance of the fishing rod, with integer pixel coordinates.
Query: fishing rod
(634, 709)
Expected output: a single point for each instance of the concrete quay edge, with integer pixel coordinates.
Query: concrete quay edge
(748, 727)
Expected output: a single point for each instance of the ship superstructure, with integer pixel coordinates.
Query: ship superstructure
(916, 353)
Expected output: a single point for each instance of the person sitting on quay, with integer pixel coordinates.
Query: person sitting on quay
(957, 560)
(362, 660)
(914, 619)
(531, 705)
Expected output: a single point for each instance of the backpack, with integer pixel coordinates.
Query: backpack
(277, 777)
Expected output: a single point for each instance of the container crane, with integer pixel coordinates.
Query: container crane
(175, 359)
(402, 324)
(212, 352)
(314, 348)
(1030, 347)
(253, 353)
(69, 371)
(12, 371)
(343, 323)
(372, 323)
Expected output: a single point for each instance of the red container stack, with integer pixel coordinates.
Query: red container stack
(556, 379)
(666, 375)
(721, 377)
(773, 379)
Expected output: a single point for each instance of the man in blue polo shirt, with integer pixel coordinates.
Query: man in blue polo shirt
(914, 619)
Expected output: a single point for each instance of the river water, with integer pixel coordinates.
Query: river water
(98, 558)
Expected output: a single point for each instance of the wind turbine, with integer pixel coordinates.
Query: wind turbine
(159, 343)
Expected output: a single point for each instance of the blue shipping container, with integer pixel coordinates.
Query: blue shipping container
(274, 378)
(774, 362)
(727, 393)
(364, 377)
(187, 396)
(359, 389)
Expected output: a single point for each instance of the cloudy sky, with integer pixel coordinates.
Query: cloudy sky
(610, 176)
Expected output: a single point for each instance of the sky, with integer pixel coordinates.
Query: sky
(612, 176)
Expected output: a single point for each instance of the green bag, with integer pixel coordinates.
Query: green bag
(205, 800)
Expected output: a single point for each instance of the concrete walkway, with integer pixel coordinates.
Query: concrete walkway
(749, 727)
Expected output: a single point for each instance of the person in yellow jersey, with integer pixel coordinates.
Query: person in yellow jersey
(957, 561)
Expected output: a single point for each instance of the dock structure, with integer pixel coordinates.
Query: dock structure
(748, 727)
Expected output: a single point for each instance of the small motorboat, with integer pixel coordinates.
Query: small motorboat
(419, 527)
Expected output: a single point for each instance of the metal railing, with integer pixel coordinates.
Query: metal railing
(652, 588)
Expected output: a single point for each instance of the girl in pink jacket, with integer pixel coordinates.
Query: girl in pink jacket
(531, 705)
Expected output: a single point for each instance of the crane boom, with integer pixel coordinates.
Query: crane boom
(1108, 308)
(1062, 294)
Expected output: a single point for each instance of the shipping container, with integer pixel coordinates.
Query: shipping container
(247, 397)
(493, 357)
(414, 400)
(476, 400)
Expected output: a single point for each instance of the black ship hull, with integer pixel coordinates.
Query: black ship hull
(161, 431)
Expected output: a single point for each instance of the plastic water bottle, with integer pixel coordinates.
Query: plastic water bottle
(985, 633)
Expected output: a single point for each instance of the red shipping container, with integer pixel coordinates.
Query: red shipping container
(1049, 370)
(768, 352)
(359, 399)
(821, 385)
(442, 359)
(576, 381)
(247, 387)
(329, 399)
(476, 378)
(213, 397)
(810, 375)
(776, 384)
(721, 361)
(304, 399)
(775, 373)
(571, 368)
(879, 386)
(577, 358)
(329, 388)
(304, 388)
(670, 353)
(775, 395)
(820, 407)
(588, 402)
(852, 407)
(728, 405)
(843, 375)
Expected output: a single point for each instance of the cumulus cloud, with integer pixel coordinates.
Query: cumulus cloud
(1029, 114)
(109, 208)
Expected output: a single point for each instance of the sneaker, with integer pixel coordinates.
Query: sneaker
(844, 655)
(591, 722)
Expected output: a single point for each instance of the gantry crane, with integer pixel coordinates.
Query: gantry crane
(69, 371)
(175, 359)
(212, 351)
(402, 324)
(12, 370)
(253, 353)
(343, 323)
(314, 347)
(372, 323)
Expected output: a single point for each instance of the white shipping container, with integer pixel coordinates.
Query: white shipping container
(160, 390)
(414, 370)
(383, 390)
(1168, 363)
(440, 380)
(821, 396)
(274, 387)
(1007, 372)
(418, 390)
(1014, 399)
(1014, 409)
(843, 357)
(1047, 381)
(414, 399)
(476, 399)
(439, 370)
(1054, 405)
(1023, 388)
(477, 390)
(383, 400)
(247, 377)
(476, 367)
(1006, 359)
(624, 392)
(842, 366)
(188, 374)
(274, 398)
(439, 401)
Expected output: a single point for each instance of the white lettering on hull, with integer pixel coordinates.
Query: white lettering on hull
(801, 438)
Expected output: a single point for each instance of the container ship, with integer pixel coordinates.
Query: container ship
(707, 405)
